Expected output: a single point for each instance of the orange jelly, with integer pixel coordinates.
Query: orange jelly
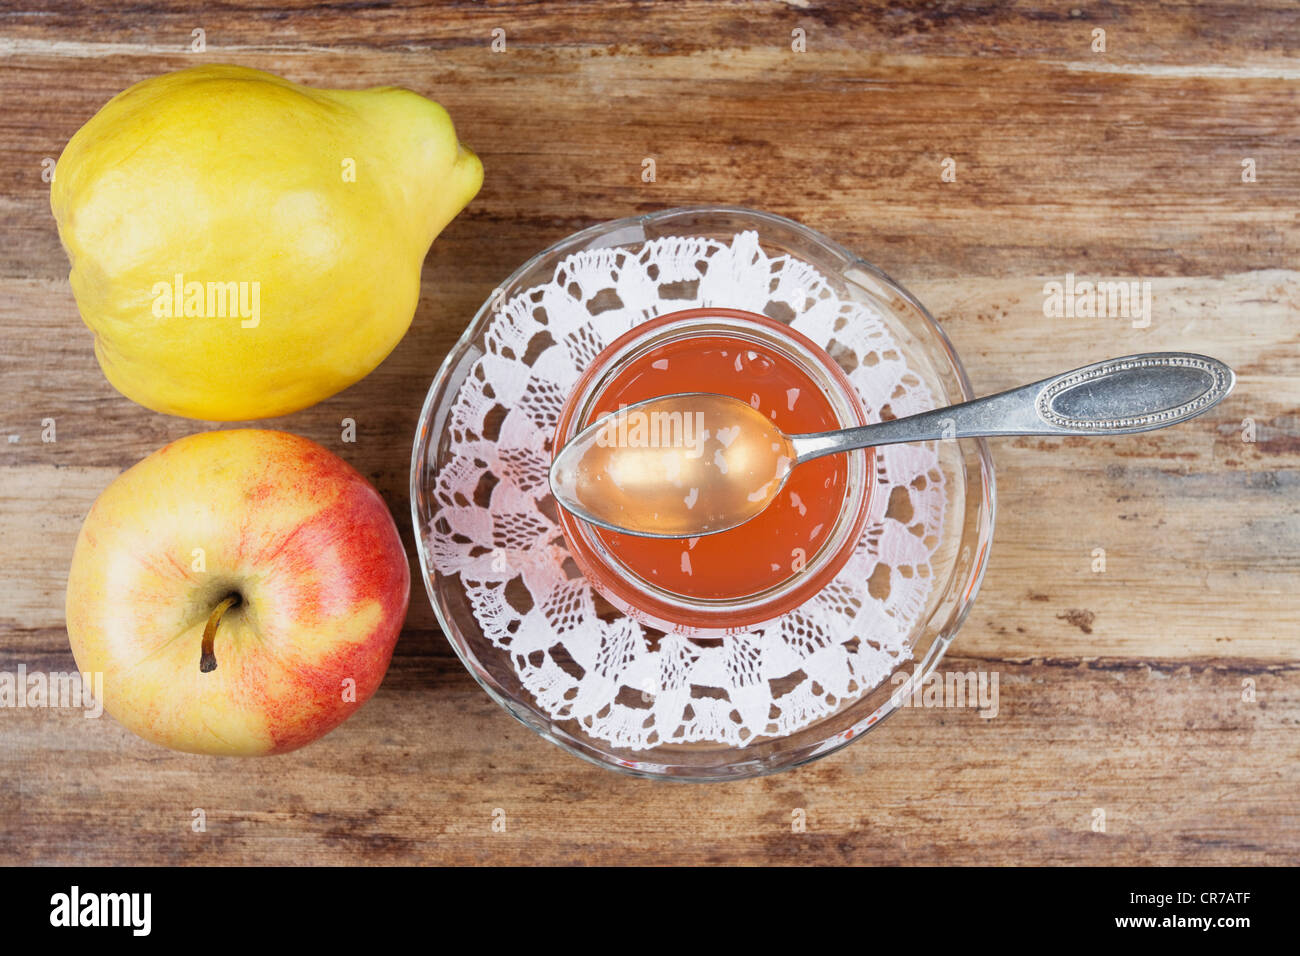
(732, 581)
(777, 543)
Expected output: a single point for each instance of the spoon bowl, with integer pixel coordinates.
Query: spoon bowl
(675, 466)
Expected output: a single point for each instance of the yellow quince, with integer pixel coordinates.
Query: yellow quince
(243, 246)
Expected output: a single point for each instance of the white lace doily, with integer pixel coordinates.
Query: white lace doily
(618, 685)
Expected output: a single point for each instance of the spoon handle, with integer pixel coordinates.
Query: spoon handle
(1135, 393)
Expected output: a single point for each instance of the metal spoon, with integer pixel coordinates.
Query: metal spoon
(697, 463)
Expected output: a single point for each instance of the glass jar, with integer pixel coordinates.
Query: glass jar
(605, 558)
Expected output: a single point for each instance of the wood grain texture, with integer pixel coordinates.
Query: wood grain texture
(1121, 690)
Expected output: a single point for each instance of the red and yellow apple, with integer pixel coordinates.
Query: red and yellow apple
(241, 592)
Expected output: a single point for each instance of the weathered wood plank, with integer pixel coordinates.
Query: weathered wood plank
(1057, 169)
(1202, 778)
(1257, 37)
(1197, 525)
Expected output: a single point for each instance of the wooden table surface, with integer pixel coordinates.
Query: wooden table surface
(1126, 691)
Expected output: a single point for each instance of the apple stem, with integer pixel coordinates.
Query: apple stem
(208, 660)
